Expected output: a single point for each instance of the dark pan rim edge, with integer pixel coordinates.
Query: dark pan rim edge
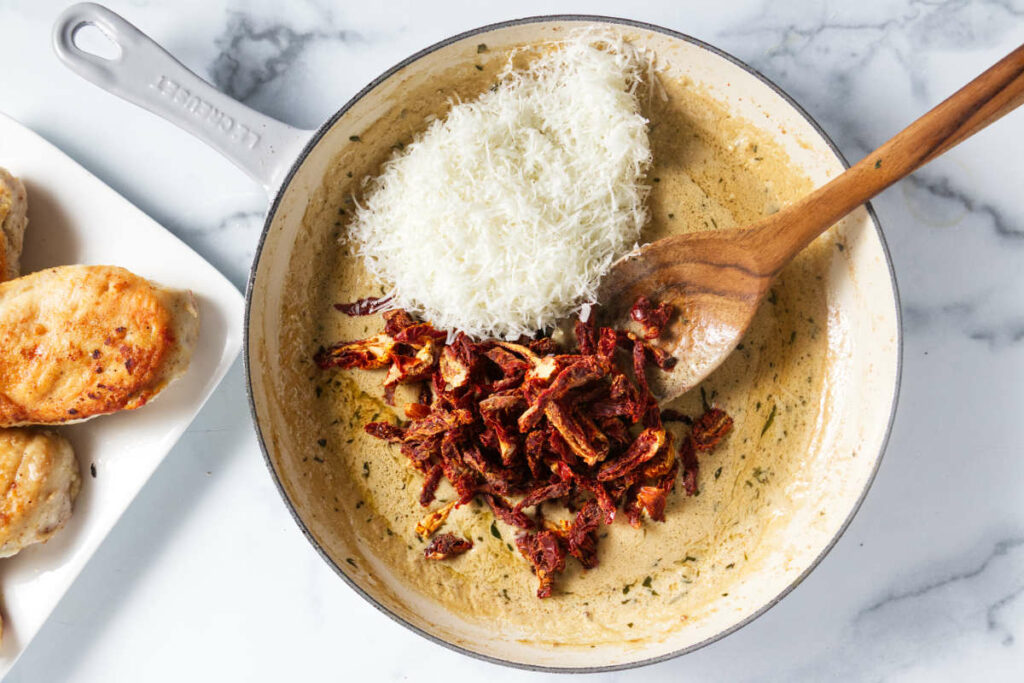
(318, 136)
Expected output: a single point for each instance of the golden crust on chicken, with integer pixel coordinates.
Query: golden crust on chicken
(13, 220)
(82, 341)
(39, 481)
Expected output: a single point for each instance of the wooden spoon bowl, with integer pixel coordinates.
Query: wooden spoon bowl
(716, 280)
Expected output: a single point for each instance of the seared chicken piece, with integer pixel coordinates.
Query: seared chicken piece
(82, 341)
(13, 219)
(39, 481)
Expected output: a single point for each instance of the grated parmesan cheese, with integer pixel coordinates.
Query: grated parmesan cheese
(500, 219)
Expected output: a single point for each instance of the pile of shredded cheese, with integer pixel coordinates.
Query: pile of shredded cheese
(500, 219)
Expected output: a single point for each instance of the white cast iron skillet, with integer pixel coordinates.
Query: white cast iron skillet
(863, 328)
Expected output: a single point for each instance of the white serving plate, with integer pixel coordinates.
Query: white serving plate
(75, 218)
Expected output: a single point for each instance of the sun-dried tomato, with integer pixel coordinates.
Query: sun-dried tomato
(710, 428)
(395, 321)
(520, 350)
(430, 484)
(632, 507)
(542, 493)
(468, 350)
(438, 422)
(503, 401)
(385, 431)
(592, 394)
(651, 318)
(542, 346)
(454, 371)
(652, 415)
(640, 367)
(365, 306)
(462, 477)
(622, 400)
(543, 550)
(589, 369)
(586, 336)
(419, 334)
(438, 392)
(511, 365)
(579, 433)
(646, 446)
(672, 415)
(506, 513)
(559, 448)
(653, 354)
(426, 527)
(416, 411)
(445, 546)
(616, 431)
(422, 452)
(507, 440)
(534, 447)
(601, 495)
(581, 539)
(526, 421)
(607, 342)
(407, 369)
(500, 479)
(652, 500)
(663, 359)
(688, 457)
(365, 354)
(662, 463)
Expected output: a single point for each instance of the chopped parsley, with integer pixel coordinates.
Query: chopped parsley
(770, 420)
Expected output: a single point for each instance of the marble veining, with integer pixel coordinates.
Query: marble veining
(995, 579)
(1009, 550)
(250, 57)
(970, 317)
(207, 576)
(943, 189)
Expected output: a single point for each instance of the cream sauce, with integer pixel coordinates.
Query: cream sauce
(711, 171)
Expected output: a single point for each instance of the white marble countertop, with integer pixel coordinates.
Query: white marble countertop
(208, 578)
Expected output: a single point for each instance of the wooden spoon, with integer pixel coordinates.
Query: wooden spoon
(716, 280)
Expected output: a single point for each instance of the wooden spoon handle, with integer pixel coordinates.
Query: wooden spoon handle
(779, 237)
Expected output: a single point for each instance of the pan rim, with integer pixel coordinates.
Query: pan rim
(315, 139)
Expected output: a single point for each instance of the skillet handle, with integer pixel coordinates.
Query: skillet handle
(145, 74)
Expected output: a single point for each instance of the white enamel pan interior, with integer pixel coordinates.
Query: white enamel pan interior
(291, 165)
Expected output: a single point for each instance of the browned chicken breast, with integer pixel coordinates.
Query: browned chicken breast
(82, 341)
(39, 481)
(13, 219)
